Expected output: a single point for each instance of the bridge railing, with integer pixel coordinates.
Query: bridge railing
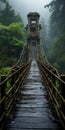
(55, 86)
(9, 88)
(20, 60)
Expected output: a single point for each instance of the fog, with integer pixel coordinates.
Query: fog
(25, 6)
(2, 5)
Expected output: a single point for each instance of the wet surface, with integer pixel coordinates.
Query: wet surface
(33, 110)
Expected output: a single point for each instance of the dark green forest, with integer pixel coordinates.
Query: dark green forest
(55, 45)
(12, 36)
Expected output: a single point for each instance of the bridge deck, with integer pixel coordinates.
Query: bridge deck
(33, 110)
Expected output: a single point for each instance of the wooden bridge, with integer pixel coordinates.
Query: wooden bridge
(32, 94)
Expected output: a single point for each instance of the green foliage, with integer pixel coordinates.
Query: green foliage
(60, 44)
(56, 51)
(3, 34)
(17, 33)
(11, 34)
(56, 65)
(5, 71)
(57, 54)
(12, 38)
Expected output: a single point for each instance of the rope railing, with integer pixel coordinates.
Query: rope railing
(55, 86)
(9, 88)
(20, 58)
(42, 57)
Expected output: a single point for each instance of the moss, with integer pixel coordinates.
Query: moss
(5, 71)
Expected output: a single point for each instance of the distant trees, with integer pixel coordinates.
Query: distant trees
(43, 30)
(12, 35)
(57, 9)
(7, 15)
(56, 54)
(3, 0)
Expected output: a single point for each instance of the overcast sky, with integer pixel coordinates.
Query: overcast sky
(26, 6)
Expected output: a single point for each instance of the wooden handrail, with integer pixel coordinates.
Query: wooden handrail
(17, 76)
(51, 72)
(56, 94)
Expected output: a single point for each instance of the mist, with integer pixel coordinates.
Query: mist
(25, 6)
(2, 5)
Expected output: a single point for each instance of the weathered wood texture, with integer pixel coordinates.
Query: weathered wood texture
(33, 110)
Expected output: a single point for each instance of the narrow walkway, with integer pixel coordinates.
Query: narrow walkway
(32, 111)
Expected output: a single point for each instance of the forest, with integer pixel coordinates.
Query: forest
(55, 42)
(12, 36)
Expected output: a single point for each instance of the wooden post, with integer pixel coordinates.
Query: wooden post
(3, 87)
(12, 81)
(63, 92)
(14, 78)
(54, 81)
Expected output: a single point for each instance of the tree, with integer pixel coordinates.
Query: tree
(8, 16)
(12, 40)
(57, 9)
(12, 35)
(57, 33)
